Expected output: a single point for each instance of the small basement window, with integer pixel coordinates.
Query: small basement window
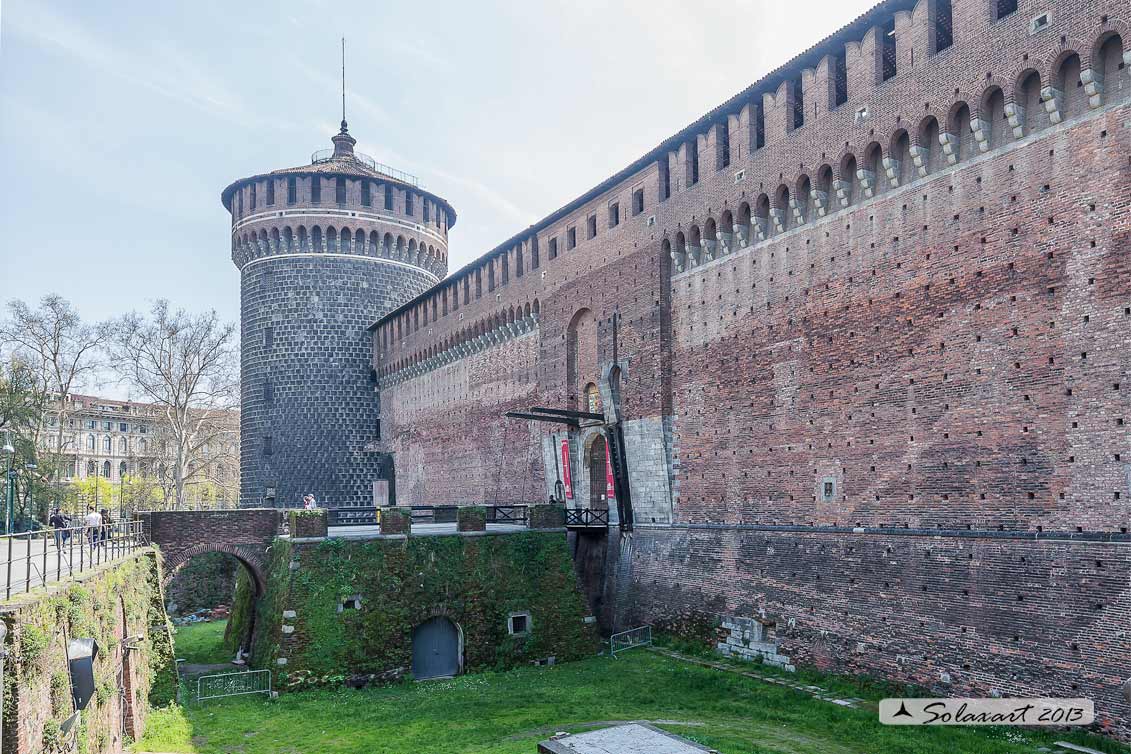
(518, 624)
(353, 602)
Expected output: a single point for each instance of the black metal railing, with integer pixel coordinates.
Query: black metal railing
(325, 155)
(514, 515)
(351, 516)
(586, 518)
(45, 556)
(507, 514)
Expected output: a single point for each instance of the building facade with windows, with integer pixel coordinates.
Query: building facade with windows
(120, 440)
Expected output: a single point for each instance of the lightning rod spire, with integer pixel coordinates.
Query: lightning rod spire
(344, 129)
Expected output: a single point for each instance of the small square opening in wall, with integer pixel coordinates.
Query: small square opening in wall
(353, 602)
(828, 489)
(518, 624)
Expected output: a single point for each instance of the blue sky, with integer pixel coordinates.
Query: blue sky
(120, 122)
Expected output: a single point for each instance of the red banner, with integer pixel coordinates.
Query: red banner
(610, 488)
(566, 479)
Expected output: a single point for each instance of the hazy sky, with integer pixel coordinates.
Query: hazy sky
(121, 121)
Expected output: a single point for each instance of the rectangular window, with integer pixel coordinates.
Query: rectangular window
(388, 197)
(270, 192)
(571, 238)
(798, 103)
(722, 145)
(693, 162)
(268, 446)
(840, 78)
(426, 208)
(591, 227)
(366, 194)
(553, 248)
(614, 214)
(408, 196)
(638, 201)
(759, 139)
(478, 282)
(534, 252)
(268, 338)
(340, 190)
(665, 178)
(505, 261)
(888, 64)
(1003, 8)
(268, 392)
(944, 25)
(292, 190)
(315, 189)
(107, 426)
(518, 261)
(123, 427)
(253, 187)
(239, 197)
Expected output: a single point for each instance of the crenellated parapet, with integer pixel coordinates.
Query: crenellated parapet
(475, 340)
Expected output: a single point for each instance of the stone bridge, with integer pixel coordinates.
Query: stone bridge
(243, 533)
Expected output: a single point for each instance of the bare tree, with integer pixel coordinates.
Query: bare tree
(187, 366)
(60, 353)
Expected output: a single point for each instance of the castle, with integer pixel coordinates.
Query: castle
(849, 357)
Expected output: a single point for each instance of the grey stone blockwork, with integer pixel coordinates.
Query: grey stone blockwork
(306, 357)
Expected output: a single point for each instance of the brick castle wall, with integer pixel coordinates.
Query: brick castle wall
(906, 307)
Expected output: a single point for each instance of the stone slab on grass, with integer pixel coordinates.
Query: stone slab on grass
(635, 738)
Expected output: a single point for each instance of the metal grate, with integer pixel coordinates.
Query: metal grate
(634, 637)
(233, 684)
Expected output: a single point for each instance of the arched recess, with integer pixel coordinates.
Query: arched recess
(581, 355)
(1110, 72)
(251, 560)
(596, 462)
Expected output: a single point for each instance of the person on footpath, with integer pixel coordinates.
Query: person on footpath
(93, 523)
(58, 522)
(309, 503)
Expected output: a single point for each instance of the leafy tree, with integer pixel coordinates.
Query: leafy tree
(187, 366)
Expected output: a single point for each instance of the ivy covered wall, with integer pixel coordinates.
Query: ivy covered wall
(121, 607)
(475, 581)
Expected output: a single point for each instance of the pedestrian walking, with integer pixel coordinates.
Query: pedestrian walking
(58, 522)
(92, 521)
(309, 503)
(107, 526)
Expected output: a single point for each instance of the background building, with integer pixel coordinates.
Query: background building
(324, 250)
(124, 444)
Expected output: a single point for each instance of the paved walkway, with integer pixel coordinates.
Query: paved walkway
(814, 691)
(46, 564)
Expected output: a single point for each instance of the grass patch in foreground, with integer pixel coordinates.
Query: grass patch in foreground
(506, 713)
(202, 643)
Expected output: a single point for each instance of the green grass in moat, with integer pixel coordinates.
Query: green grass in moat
(202, 643)
(508, 713)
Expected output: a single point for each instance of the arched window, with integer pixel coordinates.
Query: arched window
(106, 469)
(142, 445)
(592, 399)
(107, 444)
(91, 468)
(90, 442)
(123, 445)
(122, 469)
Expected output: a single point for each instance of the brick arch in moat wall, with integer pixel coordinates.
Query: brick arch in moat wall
(245, 534)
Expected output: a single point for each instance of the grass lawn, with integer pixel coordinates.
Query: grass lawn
(202, 643)
(507, 713)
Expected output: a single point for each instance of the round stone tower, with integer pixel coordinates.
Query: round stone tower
(324, 250)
